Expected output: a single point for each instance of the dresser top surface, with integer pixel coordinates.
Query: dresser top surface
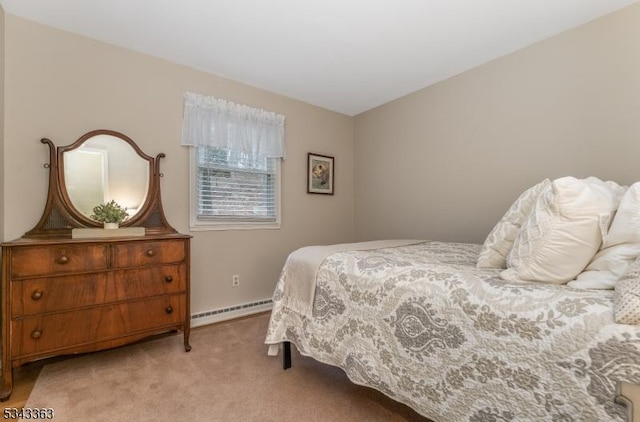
(33, 241)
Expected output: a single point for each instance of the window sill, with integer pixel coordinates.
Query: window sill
(227, 225)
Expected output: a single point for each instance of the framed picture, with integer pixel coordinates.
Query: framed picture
(320, 174)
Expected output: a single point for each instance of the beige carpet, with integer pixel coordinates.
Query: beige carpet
(226, 377)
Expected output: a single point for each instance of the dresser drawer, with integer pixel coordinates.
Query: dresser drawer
(150, 281)
(149, 253)
(38, 295)
(51, 294)
(47, 333)
(57, 259)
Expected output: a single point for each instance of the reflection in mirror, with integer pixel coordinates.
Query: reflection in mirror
(103, 168)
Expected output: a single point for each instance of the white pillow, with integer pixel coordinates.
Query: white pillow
(497, 245)
(625, 227)
(620, 247)
(562, 233)
(619, 190)
(606, 267)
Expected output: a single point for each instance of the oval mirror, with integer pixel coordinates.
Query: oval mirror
(105, 166)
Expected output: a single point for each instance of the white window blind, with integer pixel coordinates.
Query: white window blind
(235, 185)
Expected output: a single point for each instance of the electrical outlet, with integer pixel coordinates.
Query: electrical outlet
(235, 281)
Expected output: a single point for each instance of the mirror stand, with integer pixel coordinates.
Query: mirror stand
(60, 216)
(55, 220)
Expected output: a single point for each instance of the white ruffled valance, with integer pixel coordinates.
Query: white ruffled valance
(217, 123)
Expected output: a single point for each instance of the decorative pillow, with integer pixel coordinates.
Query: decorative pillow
(620, 247)
(626, 299)
(562, 233)
(498, 243)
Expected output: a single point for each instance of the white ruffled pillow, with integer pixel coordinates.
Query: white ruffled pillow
(619, 249)
(498, 243)
(563, 232)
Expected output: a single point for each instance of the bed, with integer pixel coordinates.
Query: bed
(420, 322)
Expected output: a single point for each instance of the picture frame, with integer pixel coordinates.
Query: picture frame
(320, 174)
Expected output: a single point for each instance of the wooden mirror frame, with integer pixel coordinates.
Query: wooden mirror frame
(60, 216)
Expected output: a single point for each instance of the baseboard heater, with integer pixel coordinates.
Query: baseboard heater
(217, 315)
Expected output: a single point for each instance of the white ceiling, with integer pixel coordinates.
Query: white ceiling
(345, 55)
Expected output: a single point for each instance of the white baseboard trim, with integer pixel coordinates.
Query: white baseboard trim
(219, 315)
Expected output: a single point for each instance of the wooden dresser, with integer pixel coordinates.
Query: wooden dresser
(64, 296)
(64, 292)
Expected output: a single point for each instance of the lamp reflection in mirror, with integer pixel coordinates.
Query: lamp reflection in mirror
(90, 189)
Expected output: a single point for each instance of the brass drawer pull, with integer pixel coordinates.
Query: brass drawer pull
(36, 334)
(168, 279)
(37, 294)
(62, 260)
(169, 310)
(150, 253)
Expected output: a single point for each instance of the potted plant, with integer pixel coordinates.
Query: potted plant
(111, 214)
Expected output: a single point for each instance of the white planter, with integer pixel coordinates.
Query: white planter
(111, 225)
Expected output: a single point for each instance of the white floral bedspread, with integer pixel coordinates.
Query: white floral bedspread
(421, 324)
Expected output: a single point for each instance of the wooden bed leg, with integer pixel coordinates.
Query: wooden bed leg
(286, 355)
(629, 395)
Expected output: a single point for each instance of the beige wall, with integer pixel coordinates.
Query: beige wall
(446, 162)
(60, 86)
(442, 163)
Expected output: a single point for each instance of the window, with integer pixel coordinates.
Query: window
(236, 152)
(233, 189)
